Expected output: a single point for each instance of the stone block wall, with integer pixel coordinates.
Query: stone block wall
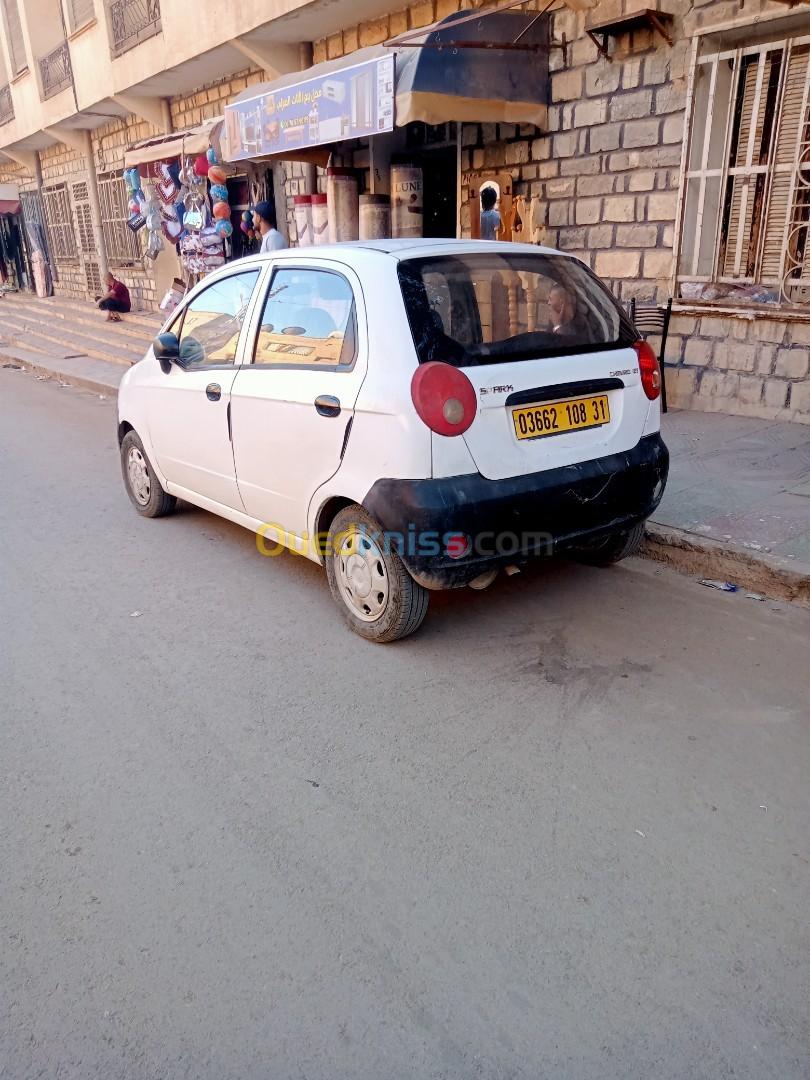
(736, 363)
(210, 100)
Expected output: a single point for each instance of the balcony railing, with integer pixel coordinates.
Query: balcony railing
(6, 104)
(133, 21)
(55, 70)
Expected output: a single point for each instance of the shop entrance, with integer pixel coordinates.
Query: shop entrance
(439, 168)
(434, 149)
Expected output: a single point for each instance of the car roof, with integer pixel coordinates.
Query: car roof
(356, 252)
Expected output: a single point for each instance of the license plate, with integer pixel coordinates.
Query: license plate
(540, 421)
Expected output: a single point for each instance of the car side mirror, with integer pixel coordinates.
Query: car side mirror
(166, 348)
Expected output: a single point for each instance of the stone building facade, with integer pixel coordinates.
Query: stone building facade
(607, 173)
(605, 176)
(62, 166)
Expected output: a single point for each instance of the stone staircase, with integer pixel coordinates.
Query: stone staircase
(71, 339)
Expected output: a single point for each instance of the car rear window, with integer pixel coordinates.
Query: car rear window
(486, 308)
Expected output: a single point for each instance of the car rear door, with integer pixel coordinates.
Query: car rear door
(292, 406)
(547, 350)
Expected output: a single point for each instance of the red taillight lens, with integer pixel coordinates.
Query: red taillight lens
(444, 398)
(457, 545)
(648, 369)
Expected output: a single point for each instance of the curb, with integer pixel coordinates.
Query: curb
(703, 557)
(98, 384)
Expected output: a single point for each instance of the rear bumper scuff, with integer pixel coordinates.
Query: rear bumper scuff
(510, 521)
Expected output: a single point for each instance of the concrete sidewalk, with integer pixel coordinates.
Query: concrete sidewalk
(737, 506)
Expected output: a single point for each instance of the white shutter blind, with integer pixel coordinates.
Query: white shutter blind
(786, 155)
(81, 12)
(16, 44)
(754, 117)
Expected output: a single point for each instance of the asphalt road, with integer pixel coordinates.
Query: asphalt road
(562, 832)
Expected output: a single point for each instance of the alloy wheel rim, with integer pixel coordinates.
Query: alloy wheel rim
(362, 575)
(140, 482)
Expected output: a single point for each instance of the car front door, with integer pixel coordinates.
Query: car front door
(189, 415)
(292, 406)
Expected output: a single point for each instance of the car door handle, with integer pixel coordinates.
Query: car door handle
(213, 391)
(326, 405)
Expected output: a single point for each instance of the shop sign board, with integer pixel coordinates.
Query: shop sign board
(348, 103)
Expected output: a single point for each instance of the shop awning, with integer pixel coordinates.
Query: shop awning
(485, 69)
(9, 207)
(189, 142)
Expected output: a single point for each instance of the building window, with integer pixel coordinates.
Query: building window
(59, 222)
(123, 245)
(746, 211)
(80, 13)
(132, 21)
(84, 218)
(14, 36)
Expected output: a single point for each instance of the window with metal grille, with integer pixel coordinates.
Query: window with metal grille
(16, 45)
(84, 219)
(746, 211)
(123, 245)
(59, 223)
(92, 278)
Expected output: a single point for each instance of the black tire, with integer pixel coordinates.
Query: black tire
(406, 602)
(156, 503)
(617, 546)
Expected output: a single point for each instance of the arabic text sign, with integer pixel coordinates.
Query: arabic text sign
(350, 103)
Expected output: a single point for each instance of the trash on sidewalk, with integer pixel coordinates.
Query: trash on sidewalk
(754, 596)
(14, 367)
(722, 586)
(135, 614)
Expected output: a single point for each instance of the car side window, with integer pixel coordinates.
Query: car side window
(211, 323)
(308, 320)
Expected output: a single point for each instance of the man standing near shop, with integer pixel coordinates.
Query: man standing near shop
(264, 222)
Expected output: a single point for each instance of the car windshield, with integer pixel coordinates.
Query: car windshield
(487, 308)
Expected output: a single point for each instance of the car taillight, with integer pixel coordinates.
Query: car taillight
(444, 398)
(457, 545)
(648, 369)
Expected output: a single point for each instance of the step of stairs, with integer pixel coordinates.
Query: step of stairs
(135, 324)
(59, 340)
(64, 328)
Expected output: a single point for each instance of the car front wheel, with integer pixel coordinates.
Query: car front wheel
(143, 487)
(377, 596)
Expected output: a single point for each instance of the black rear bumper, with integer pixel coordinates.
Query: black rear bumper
(510, 521)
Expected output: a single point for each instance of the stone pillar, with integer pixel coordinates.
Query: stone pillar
(95, 206)
(310, 181)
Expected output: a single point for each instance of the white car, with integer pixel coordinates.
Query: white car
(413, 415)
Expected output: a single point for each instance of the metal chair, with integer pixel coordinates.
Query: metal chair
(654, 319)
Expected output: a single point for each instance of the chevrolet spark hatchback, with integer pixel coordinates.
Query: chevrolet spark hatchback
(410, 415)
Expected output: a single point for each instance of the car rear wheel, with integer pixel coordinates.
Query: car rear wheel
(617, 546)
(377, 596)
(143, 487)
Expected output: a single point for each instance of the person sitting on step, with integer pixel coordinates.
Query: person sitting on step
(115, 300)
